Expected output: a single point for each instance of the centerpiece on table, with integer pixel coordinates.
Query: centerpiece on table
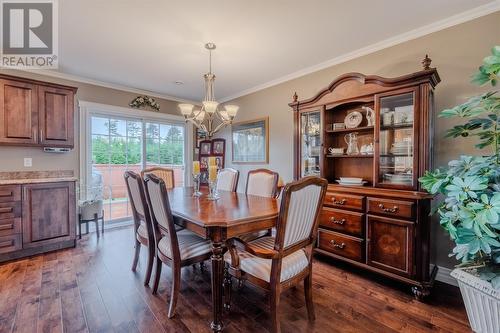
(470, 207)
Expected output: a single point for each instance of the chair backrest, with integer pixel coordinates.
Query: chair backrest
(298, 221)
(161, 215)
(227, 180)
(262, 182)
(167, 175)
(138, 203)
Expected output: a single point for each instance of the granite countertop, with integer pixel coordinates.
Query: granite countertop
(36, 180)
(32, 177)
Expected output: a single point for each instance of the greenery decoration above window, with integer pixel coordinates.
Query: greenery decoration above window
(143, 101)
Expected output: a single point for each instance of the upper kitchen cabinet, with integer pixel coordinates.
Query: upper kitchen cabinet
(18, 113)
(56, 109)
(35, 113)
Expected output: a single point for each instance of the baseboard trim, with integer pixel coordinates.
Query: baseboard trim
(443, 275)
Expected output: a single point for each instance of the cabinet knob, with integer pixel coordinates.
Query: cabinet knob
(341, 221)
(336, 245)
(388, 210)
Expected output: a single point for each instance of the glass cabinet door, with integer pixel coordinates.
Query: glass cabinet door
(397, 140)
(310, 146)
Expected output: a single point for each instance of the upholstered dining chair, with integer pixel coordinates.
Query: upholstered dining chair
(174, 248)
(143, 226)
(263, 183)
(278, 263)
(164, 173)
(227, 180)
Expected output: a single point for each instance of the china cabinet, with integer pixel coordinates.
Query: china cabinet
(371, 138)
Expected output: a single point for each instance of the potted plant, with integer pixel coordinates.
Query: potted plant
(469, 209)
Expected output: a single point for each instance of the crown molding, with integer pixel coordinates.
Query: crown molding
(81, 79)
(398, 39)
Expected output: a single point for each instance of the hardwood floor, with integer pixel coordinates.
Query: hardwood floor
(92, 289)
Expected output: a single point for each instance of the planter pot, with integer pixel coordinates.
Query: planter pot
(482, 302)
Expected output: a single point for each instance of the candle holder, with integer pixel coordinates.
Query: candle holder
(197, 181)
(212, 190)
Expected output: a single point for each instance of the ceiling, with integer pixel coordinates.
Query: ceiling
(150, 44)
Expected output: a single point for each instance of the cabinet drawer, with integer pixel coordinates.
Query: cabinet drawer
(9, 210)
(341, 200)
(399, 208)
(342, 245)
(342, 220)
(10, 243)
(10, 226)
(10, 193)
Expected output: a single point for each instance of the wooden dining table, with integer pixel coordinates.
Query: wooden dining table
(232, 215)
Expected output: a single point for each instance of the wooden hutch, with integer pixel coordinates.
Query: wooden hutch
(384, 225)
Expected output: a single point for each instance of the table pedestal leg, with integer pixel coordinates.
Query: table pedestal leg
(217, 277)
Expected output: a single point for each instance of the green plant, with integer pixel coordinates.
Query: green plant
(470, 185)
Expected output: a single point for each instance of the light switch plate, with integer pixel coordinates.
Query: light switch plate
(28, 162)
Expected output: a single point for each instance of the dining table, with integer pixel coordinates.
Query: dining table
(231, 215)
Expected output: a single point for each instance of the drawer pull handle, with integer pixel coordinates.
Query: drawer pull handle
(7, 243)
(339, 202)
(333, 220)
(388, 210)
(337, 245)
(7, 226)
(6, 209)
(6, 194)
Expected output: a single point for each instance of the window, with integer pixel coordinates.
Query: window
(116, 144)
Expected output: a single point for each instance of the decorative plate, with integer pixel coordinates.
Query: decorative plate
(353, 119)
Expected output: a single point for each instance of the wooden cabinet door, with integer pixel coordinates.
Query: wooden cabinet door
(390, 244)
(56, 112)
(18, 113)
(49, 213)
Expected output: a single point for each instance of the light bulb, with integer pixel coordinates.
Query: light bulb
(231, 110)
(210, 106)
(186, 109)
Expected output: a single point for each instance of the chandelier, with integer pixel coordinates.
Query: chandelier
(204, 117)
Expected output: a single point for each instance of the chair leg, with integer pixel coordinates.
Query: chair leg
(136, 255)
(176, 281)
(102, 222)
(86, 227)
(275, 302)
(228, 284)
(96, 220)
(151, 258)
(308, 296)
(80, 226)
(156, 282)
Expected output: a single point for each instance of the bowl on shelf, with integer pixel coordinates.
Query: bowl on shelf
(351, 181)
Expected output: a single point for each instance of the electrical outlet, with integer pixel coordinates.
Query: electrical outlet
(28, 162)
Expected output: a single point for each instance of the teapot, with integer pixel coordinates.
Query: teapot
(352, 143)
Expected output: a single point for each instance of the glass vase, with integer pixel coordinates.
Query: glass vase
(212, 190)
(197, 181)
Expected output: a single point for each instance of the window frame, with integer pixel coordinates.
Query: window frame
(90, 109)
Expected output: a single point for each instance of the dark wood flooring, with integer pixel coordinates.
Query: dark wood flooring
(92, 289)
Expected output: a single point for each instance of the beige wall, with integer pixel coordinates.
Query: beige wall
(12, 158)
(456, 52)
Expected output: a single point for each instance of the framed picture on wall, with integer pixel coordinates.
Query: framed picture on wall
(218, 146)
(205, 147)
(251, 141)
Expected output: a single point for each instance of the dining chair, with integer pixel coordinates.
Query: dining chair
(164, 173)
(143, 226)
(279, 263)
(227, 180)
(176, 249)
(262, 183)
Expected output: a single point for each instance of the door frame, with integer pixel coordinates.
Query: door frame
(88, 109)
